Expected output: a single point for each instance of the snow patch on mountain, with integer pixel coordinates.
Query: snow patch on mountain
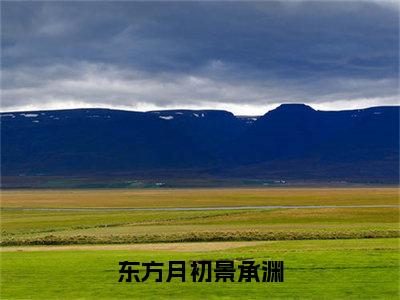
(29, 115)
(166, 117)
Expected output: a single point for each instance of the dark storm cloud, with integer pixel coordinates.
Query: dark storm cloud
(139, 54)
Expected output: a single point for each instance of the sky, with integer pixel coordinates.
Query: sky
(244, 57)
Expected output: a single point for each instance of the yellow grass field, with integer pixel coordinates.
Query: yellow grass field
(198, 197)
(25, 220)
(329, 252)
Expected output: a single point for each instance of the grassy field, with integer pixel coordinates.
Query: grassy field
(330, 269)
(329, 252)
(60, 227)
(198, 197)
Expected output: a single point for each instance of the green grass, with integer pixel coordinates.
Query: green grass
(330, 269)
(332, 253)
(38, 227)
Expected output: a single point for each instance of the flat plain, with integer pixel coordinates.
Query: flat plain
(197, 197)
(335, 252)
(321, 269)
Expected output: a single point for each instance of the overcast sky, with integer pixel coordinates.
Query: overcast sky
(245, 57)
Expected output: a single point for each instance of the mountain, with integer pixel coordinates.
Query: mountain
(294, 131)
(296, 141)
(293, 141)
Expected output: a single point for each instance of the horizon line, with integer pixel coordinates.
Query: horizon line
(185, 109)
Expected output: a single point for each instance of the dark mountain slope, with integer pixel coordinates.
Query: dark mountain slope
(86, 141)
(285, 132)
(292, 141)
(209, 129)
(296, 131)
(369, 135)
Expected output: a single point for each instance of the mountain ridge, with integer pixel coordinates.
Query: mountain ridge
(281, 143)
